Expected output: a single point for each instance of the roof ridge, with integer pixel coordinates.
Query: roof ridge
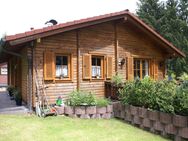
(61, 25)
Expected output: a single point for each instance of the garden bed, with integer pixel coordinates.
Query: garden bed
(86, 112)
(154, 121)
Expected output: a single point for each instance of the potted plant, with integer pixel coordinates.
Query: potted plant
(10, 90)
(17, 97)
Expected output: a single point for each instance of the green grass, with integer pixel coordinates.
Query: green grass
(32, 128)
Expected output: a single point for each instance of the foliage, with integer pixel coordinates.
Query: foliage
(164, 95)
(102, 102)
(162, 99)
(117, 79)
(166, 17)
(10, 89)
(181, 99)
(137, 93)
(17, 94)
(80, 98)
(184, 77)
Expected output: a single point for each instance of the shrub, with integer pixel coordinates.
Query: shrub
(101, 102)
(117, 80)
(138, 92)
(163, 96)
(10, 89)
(80, 98)
(181, 99)
(184, 77)
(150, 94)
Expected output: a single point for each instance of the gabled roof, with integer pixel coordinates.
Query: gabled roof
(16, 39)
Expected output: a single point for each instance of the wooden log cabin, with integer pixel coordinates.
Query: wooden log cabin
(83, 54)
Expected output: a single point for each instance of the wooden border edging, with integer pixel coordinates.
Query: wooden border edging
(157, 122)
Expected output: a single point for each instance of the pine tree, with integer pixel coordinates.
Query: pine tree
(170, 19)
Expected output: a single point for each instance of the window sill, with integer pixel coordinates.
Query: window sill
(97, 79)
(64, 81)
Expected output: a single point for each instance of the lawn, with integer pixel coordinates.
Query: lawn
(32, 128)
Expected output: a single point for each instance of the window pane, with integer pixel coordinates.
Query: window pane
(93, 61)
(65, 60)
(145, 66)
(62, 66)
(98, 61)
(58, 60)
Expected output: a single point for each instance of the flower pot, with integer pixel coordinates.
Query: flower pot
(91, 110)
(146, 123)
(153, 115)
(134, 110)
(142, 112)
(165, 118)
(109, 108)
(183, 132)
(80, 110)
(19, 102)
(60, 110)
(170, 129)
(158, 126)
(101, 110)
(127, 108)
(69, 110)
(180, 121)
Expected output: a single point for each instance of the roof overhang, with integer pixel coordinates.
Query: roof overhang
(18, 39)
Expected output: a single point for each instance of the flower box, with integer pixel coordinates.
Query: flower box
(146, 123)
(134, 110)
(170, 129)
(153, 115)
(158, 126)
(80, 110)
(109, 108)
(184, 133)
(69, 110)
(180, 121)
(91, 110)
(60, 110)
(165, 118)
(142, 112)
(101, 110)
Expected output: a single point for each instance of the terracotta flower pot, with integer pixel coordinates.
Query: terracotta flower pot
(183, 132)
(180, 121)
(101, 110)
(79, 110)
(134, 110)
(165, 118)
(60, 110)
(91, 110)
(109, 108)
(142, 112)
(127, 108)
(158, 126)
(153, 115)
(69, 110)
(146, 123)
(170, 129)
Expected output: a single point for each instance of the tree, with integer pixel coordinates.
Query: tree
(170, 19)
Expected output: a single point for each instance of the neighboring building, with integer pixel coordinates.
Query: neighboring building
(84, 54)
(3, 74)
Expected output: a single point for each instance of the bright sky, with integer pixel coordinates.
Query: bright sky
(20, 15)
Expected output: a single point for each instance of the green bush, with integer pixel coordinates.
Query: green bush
(10, 89)
(101, 102)
(150, 94)
(138, 92)
(80, 98)
(117, 80)
(163, 96)
(181, 99)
